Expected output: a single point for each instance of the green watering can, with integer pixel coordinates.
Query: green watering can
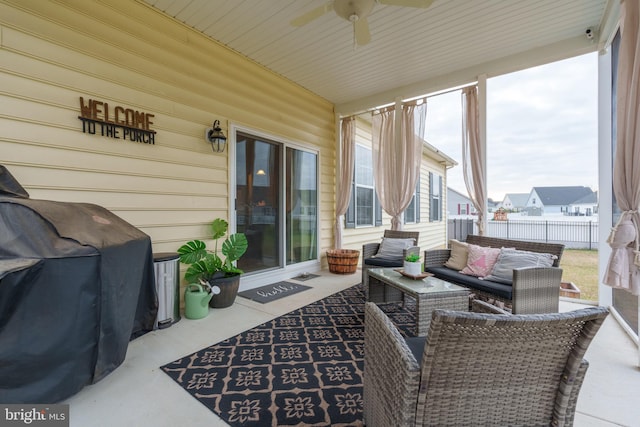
(196, 301)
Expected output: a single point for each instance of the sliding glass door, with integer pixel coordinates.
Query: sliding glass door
(302, 208)
(276, 203)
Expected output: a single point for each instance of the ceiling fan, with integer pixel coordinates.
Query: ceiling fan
(355, 11)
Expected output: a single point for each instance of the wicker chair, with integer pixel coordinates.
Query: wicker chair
(477, 369)
(375, 290)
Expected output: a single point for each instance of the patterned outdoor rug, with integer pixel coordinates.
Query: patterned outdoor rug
(303, 368)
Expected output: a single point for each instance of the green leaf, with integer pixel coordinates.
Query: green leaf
(232, 270)
(412, 258)
(219, 228)
(195, 272)
(234, 247)
(205, 264)
(192, 252)
(212, 263)
(203, 269)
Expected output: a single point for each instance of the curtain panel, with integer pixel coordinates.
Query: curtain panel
(472, 163)
(397, 154)
(345, 174)
(623, 267)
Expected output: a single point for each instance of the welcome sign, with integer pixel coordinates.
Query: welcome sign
(99, 118)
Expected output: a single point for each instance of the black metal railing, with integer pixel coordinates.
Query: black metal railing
(573, 234)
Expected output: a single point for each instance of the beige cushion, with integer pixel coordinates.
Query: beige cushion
(459, 254)
(393, 249)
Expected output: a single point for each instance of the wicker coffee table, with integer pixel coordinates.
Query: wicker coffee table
(430, 293)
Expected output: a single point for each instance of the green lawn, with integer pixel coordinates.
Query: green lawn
(581, 267)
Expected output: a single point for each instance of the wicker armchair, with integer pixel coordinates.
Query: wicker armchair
(377, 291)
(477, 369)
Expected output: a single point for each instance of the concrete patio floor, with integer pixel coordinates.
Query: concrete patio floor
(139, 394)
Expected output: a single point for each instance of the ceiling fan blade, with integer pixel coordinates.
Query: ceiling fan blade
(408, 3)
(312, 14)
(361, 31)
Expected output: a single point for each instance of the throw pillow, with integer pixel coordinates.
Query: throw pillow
(480, 261)
(513, 258)
(393, 249)
(459, 255)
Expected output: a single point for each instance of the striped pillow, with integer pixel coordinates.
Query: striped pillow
(393, 249)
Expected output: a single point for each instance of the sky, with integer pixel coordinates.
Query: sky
(542, 128)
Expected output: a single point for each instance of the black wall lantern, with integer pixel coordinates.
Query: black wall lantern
(216, 137)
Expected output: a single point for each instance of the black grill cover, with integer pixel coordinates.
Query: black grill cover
(76, 284)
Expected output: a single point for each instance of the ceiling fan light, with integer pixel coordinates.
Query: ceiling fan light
(356, 12)
(346, 9)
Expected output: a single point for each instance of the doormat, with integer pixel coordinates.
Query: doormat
(305, 276)
(272, 292)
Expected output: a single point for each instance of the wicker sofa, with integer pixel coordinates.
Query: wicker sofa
(533, 290)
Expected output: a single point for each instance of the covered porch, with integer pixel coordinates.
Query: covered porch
(139, 393)
(151, 57)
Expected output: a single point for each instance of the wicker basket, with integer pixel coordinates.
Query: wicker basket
(343, 261)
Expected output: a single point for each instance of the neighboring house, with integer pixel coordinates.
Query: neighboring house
(365, 221)
(515, 202)
(493, 205)
(561, 200)
(586, 206)
(459, 204)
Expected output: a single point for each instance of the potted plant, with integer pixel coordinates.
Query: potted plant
(412, 265)
(207, 267)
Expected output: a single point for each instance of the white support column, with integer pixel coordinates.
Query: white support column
(605, 174)
(482, 123)
(338, 168)
(397, 137)
(337, 140)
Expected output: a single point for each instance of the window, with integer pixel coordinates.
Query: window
(364, 208)
(364, 186)
(412, 213)
(435, 197)
(301, 192)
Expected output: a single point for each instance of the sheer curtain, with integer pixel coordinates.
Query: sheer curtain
(622, 270)
(472, 164)
(345, 174)
(397, 153)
